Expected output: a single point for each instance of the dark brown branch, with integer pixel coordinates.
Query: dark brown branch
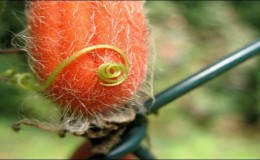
(11, 50)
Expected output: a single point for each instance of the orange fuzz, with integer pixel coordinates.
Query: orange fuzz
(112, 32)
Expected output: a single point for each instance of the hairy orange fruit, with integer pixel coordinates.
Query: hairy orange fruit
(59, 29)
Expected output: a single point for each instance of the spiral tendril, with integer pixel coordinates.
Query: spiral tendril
(111, 73)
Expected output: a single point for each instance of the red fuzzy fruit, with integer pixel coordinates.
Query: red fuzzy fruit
(59, 29)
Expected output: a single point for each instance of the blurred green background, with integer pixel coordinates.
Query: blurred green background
(218, 120)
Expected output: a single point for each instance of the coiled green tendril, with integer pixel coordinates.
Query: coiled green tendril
(111, 73)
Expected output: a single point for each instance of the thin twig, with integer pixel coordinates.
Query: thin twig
(45, 126)
(11, 50)
(17, 126)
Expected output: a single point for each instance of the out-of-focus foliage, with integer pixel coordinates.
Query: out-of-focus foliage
(249, 13)
(190, 35)
(218, 120)
(13, 21)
